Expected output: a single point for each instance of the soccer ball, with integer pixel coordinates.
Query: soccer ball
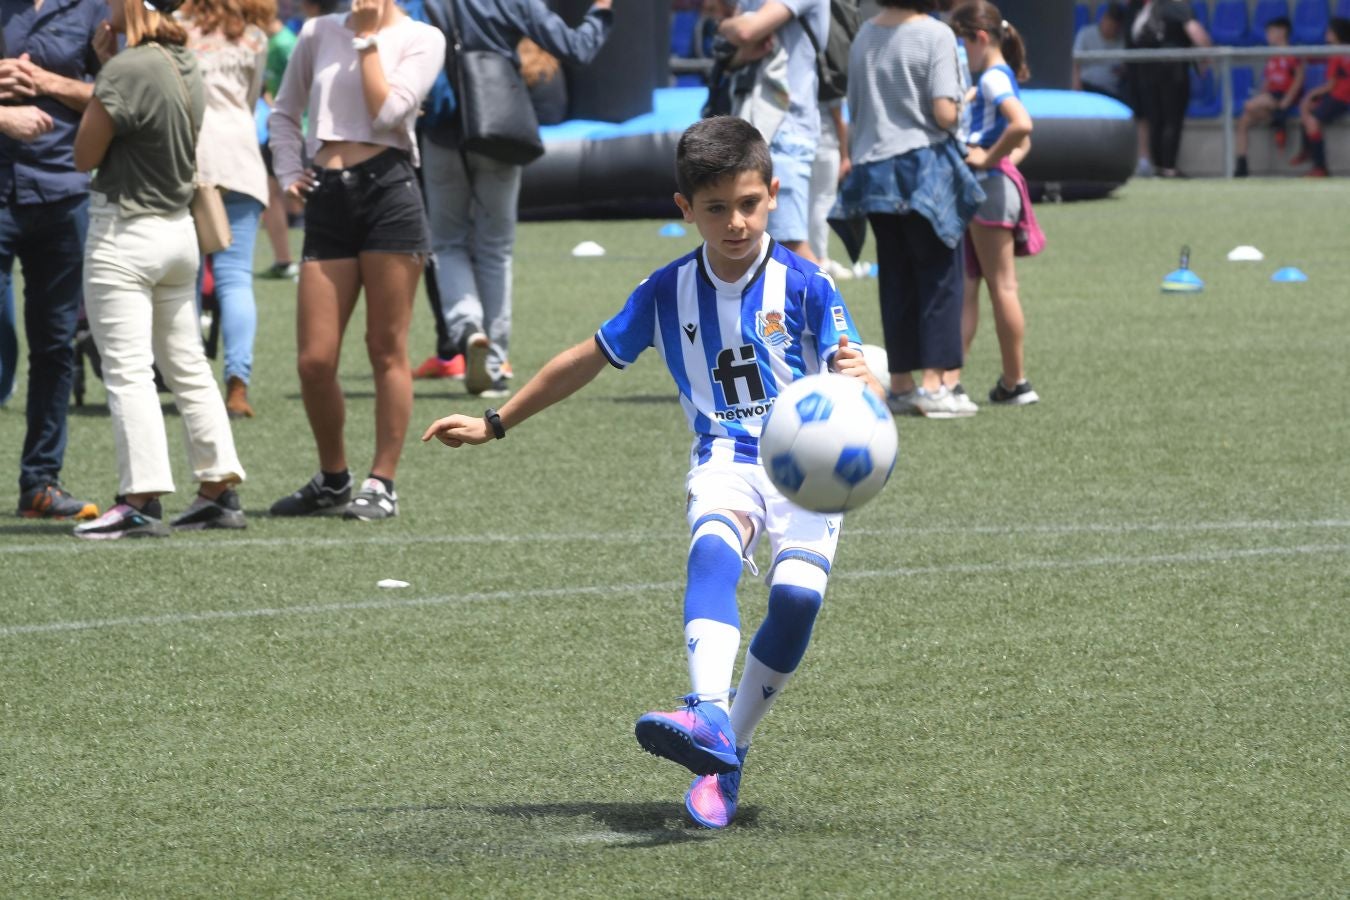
(829, 444)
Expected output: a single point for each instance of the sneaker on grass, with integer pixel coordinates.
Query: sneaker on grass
(477, 378)
(698, 736)
(963, 401)
(125, 521)
(1021, 395)
(314, 499)
(51, 501)
(373, 503)
(711, 799)
(939, 404)
(203, 513)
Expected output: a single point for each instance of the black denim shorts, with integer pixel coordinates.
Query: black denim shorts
(373, 207)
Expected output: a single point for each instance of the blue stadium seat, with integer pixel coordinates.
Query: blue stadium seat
(1082, 17)
(682, 28)
(1201, 10)
(1264, 12)
(1343, 9)
(1244, 80)
(1229, 26)
(1316, 76)
(1310, 21)
(1206, 101)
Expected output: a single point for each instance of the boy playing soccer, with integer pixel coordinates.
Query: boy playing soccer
(735, 321)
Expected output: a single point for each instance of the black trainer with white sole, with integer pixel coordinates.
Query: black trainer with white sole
(314, 499)
(1022, 395)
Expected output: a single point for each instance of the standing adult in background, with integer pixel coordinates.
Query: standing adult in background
(759, 28)
(472, 198)
(45, 84)
(1165, 87)
(362, 78)
(1108, 34)
(904, 94)
(228, 40)
(140, 275)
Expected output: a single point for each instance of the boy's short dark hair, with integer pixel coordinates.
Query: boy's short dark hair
(718, 147)
(1116, 12)
(1281, 22)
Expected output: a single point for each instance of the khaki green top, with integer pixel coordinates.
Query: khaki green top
(149, 166)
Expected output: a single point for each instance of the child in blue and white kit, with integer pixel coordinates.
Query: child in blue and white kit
(1004, 226)
(735, 321)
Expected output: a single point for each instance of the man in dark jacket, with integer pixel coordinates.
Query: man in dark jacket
(45, 83)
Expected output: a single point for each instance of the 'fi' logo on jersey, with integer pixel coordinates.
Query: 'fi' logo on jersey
(771, 329)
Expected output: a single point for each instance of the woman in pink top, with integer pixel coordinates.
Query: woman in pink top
(361, 76)
(231, 50)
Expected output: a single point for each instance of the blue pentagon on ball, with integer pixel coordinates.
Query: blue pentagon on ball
(814, 408)
(877, 406)
(786, 472)
(854, 465)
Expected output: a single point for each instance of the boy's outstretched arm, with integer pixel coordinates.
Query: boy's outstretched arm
(564, 375)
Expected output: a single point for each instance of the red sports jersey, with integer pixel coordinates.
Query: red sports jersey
(1280, 72)
(1338, 76)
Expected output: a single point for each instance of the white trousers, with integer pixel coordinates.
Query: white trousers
(140, 286)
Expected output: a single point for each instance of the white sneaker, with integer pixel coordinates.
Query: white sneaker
(967, 406)
(938, 404)
(477, 378)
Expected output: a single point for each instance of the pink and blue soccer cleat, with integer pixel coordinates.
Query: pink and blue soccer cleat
(711, 800)
(698, 736)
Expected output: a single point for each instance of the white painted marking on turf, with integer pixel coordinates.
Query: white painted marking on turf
(1013, 530)
(1029, 565)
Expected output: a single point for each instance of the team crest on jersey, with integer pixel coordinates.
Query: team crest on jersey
(771, 329)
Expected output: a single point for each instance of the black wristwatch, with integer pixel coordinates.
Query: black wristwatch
(494, 421)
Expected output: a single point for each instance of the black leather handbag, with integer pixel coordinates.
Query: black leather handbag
(496, 117)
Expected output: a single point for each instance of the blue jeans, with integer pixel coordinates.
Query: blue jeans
(232, 269)
(9, 346)
(48, 240)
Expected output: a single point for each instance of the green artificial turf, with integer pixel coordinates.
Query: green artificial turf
(1095, 647)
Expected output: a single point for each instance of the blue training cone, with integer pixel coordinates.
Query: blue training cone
(672, 229)
(1182, 280)
(1289, 275)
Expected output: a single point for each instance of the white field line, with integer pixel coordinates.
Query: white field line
(1028, 565)
(62, 544)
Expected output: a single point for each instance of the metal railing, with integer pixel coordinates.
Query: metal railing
(1223, 57)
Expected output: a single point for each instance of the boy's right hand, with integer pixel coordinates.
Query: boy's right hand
(455, 431)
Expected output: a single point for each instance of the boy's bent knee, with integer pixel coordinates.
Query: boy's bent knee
(718, 525)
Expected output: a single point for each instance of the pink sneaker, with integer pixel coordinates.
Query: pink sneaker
(711, 800)
(698, 736)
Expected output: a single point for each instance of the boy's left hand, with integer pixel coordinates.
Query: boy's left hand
(848, 360)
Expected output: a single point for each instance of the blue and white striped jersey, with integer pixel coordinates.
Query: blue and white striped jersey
(732, 347)
(987, 124)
